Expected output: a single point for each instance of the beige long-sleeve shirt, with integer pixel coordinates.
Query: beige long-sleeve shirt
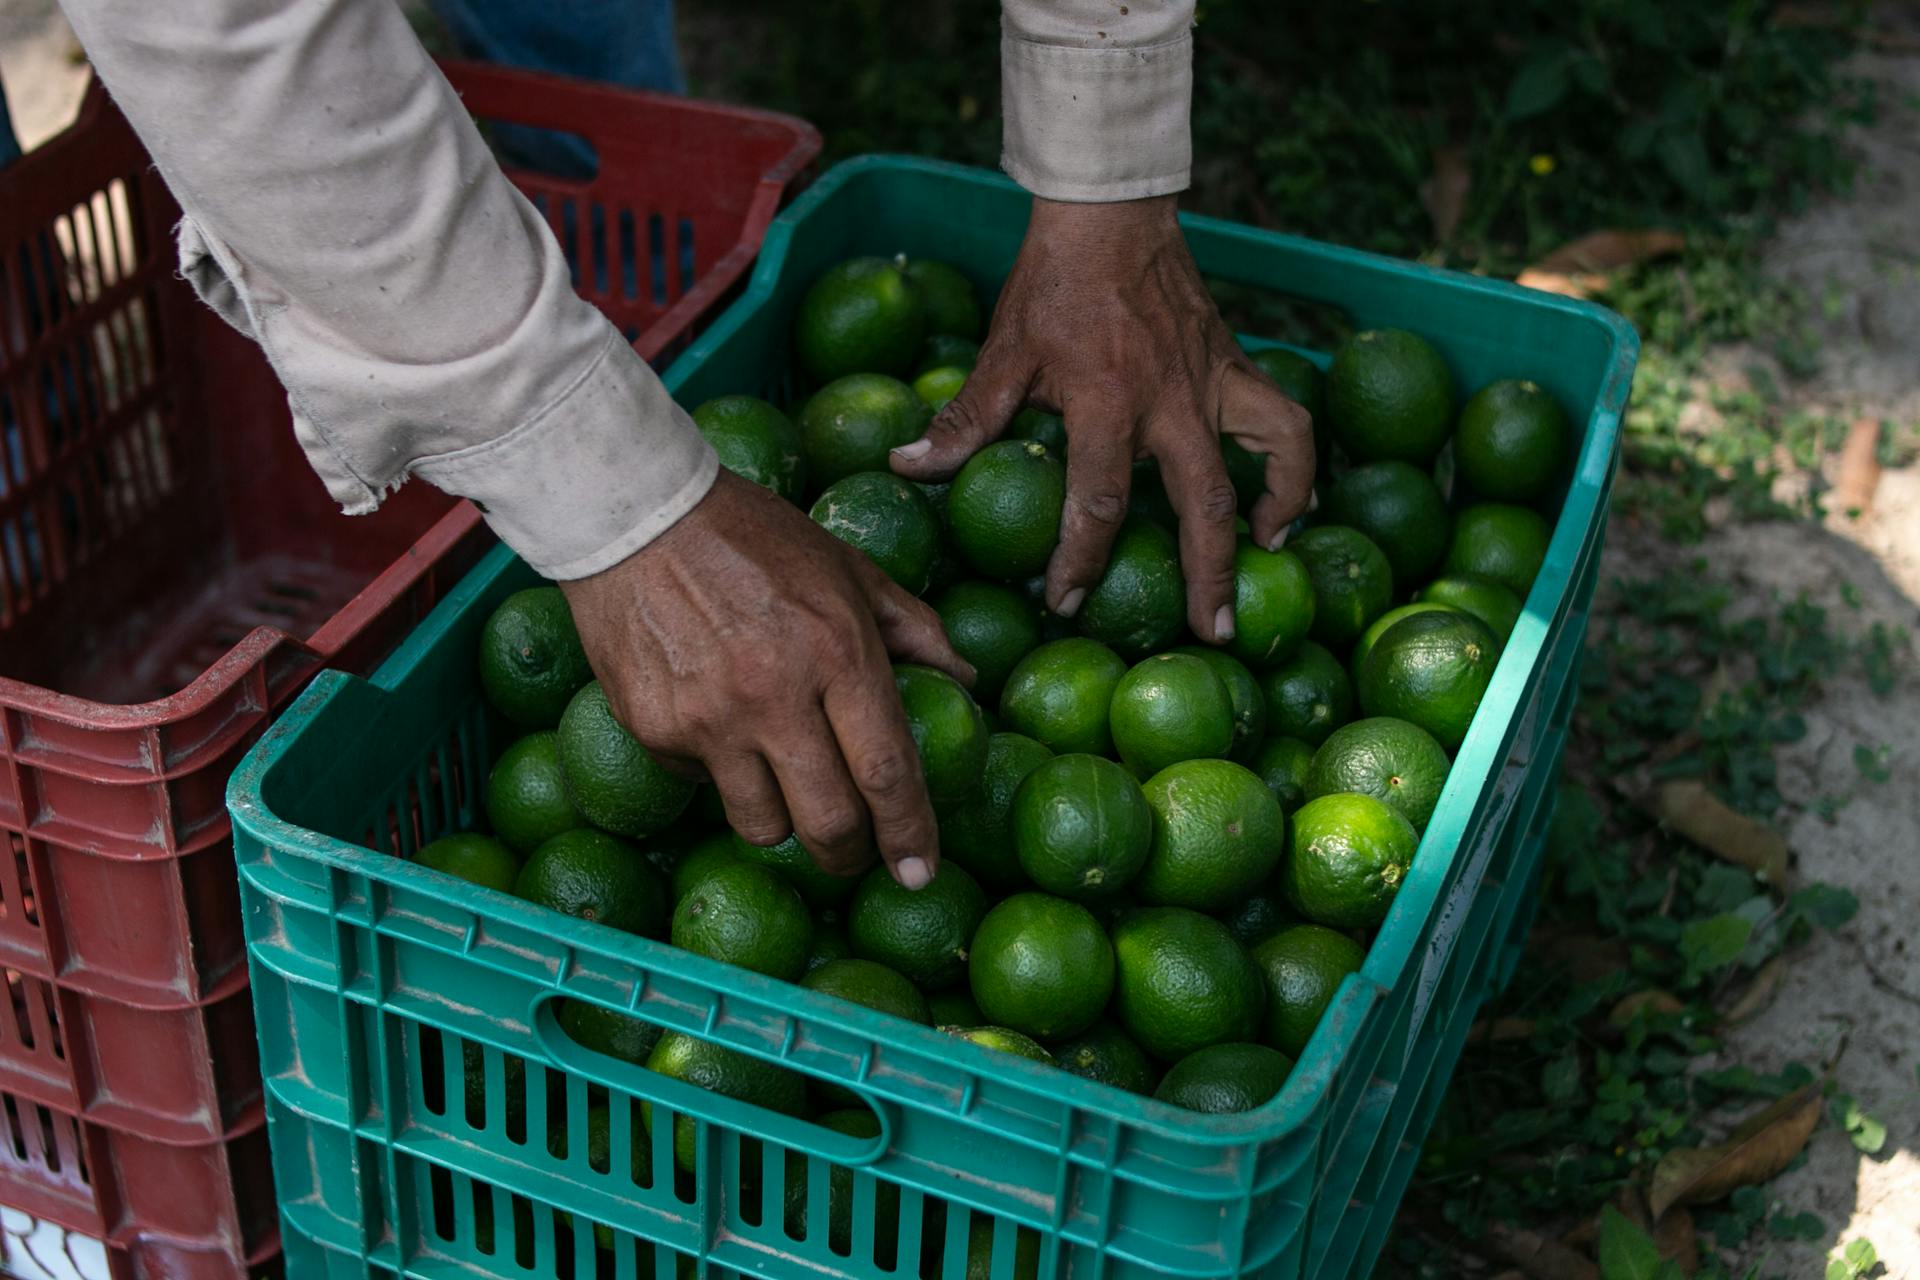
(341, 209)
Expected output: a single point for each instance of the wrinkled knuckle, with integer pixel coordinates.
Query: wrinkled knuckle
(1104, 507)
(760, 828)
(884, 772)
(1218, 502)
(832, 827)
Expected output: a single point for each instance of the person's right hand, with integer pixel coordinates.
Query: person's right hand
(747, 639)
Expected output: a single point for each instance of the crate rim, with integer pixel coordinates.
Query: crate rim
(1476, 765)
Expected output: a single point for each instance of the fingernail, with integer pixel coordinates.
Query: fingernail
(1070, 603)
(1280, 538)
(1313, 501)
(918, 449)
(1223, 623)
(912, 873)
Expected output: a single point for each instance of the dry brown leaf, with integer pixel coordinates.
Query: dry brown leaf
(1859, 470)
(1654, 1001)
(1581, 268)
(1538, 1257)
(1500, 1029)
(1589, 957)
(1760, 1148)
(1758, 994)
(1688, 807)
(1444, 194)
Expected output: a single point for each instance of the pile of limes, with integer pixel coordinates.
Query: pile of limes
(1159, 859)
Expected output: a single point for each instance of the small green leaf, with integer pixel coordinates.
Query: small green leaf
(1861, 1254)
(1560, 1080)
(1539, 84)
(1714, 942)
(1796, 1226)
(1867, 1134)
(1824, 905)
(1626, 1252)
(1684, 156)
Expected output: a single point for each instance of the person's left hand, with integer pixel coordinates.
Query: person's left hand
(1105, 319)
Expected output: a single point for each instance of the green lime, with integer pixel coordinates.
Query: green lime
(829, 943)
(1490, 602)
(977, 834)
(1081, 827)
(1282, 764)
(716, 850)
(1058, 695)
(868, 983)
(852, 423)
(1105, 1053)
(1273, 605)
(952, 307)
(1397, 506)
(594, 876)
(1511, 443)
(1301, 381)
(1350, 853)
(1182, 983)
(756, 442)
(1257, 917)
(817, 887)
(948, 730)
(1378, 627)
(1147, 498)
(1431, 669)
(1225, 1078)
(863, 316)
(1303, 965)
(1297, 377)
(727, 1072)
(527, 798)
(937, 386)
(1243, 692)
(1389, 395)
(888, 519)
(954, 1008)
(612, 779)
(1140, 604)
(992, 627)
(1352, 582)
(948, 351)
(1168, 708)
(1504, 544)
(602, 1030)
(1387, 759)
(531, 661)
(1218, 833)
(1049, 429)
(922, 933)
(1308, 696)
(1004, 1040)
(472, 857)
(1004, 510)
(744, 914)
(1041, 965)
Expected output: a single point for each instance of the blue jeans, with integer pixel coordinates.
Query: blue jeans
(623, 42)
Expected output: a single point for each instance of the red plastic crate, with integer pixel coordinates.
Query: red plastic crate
(172, 573)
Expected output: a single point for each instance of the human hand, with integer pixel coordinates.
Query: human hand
(748, 640)
(1106, 321)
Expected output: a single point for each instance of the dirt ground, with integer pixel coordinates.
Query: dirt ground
(1861, 255)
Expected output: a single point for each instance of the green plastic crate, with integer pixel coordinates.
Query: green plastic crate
(378, 983)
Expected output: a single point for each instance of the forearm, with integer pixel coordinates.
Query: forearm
(1096, 97)
(341, 208)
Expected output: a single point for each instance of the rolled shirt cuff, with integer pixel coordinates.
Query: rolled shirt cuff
(604, 470)
(1097, 124)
